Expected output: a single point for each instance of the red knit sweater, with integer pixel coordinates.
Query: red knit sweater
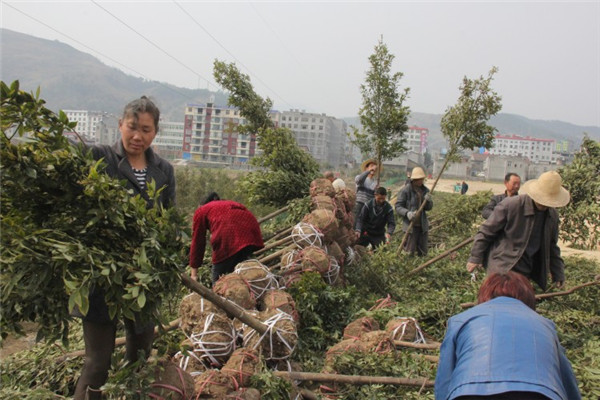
(232, 228)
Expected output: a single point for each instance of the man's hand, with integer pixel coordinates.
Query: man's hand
(473, 266)
(387, 237)
(410, 215)
(427, 196)
(559, 284)
(194, 274)
(357, 233)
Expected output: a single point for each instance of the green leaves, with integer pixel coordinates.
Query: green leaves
(67, 228)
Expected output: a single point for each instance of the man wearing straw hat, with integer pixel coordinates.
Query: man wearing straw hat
(365, 186)
(409, 201)
(522, 233)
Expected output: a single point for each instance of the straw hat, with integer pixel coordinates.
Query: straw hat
(366, 163)
(417, 173)
(547, 190)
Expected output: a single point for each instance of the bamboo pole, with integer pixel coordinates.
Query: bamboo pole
(443, 255)
(548, 295)
(232, 309)
(278, 235)
(278, 243)
(118, 341)
(272, 256)
(428, 346)
(354, 379)
(273, 214)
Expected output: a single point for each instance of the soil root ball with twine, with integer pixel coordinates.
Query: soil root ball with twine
(172, 383)
(321, 187)
(279, 341)
(360, 326)
(236, 289)
(243, 364)
(214, 384)
(213, 339)
(305, 234)
(325, 222)
(188, 360)
(406, 329)
(279, 300)
(192, 308)
(258, 277)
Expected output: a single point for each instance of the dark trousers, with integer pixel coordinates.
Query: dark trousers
(228, 265)
(99, 339)
(357, 209)
(366, 239)
(417, 241)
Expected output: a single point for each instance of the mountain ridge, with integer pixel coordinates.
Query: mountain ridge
(72, 79)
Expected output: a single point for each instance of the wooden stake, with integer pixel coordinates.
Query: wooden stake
(278, 235)
(443, 255)
(278, 243)
(548, 295)
(354, 379)
(273, 214)
(429, 346)
(232, 309)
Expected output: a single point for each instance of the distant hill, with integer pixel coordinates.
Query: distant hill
(71, 79)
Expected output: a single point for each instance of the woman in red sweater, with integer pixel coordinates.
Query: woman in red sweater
(234, 235)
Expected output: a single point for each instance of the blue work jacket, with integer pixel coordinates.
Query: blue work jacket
(500, 346)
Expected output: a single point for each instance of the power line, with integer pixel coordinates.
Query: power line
(95, 51)
(155, 45)
(231, 54)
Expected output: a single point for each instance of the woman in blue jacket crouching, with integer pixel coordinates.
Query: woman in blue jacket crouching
(503, 349)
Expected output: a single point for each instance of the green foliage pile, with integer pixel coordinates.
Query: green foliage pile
(579, 219)
(66, 227)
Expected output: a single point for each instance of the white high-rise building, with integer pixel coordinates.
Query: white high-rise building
(536, 150)
(89, 124)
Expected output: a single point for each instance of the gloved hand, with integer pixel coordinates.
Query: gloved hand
(427, 196)
(410, 215)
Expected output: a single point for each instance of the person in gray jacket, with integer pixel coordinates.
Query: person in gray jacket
(130, 159)
(409, 200)
(512, 182)
(522, 233)
(365, 186)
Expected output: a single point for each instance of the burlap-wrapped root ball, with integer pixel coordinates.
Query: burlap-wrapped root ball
(313, 259)
(332, 276)
(279, 300)
(213, 339)
(258, 277)
(335, 251)
(406, 329)
(344, 347)
(287, 257)
(240, 327)
(235, 288)
(171, 382)
(188, 360)
(213, 384)
(321, 187)
(191, 309)
(325, 221)
(243, 364)
(360, 326)
(304, 235)
(280, 339)
(322, 203)
(348, 198)
(377, 342)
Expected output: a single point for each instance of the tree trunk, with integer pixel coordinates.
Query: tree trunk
(273, 214)
(443, 255)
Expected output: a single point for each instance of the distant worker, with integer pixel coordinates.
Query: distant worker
(376, 222)
(512, 182)
(464, 187)
(503, 349)
(234, 235)
(409, 200)
(522, 233)
(338, 183)
(365, 186)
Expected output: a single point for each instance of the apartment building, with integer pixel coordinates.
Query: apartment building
(536, 150)
(210, 134)
(416, 139)
(168, 143)
(89, 124)
(324, 137)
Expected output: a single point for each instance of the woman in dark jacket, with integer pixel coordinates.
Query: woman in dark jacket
(130, 159)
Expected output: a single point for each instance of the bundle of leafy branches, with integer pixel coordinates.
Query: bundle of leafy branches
(67, 227)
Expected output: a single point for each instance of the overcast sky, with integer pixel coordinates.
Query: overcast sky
(313, 55)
